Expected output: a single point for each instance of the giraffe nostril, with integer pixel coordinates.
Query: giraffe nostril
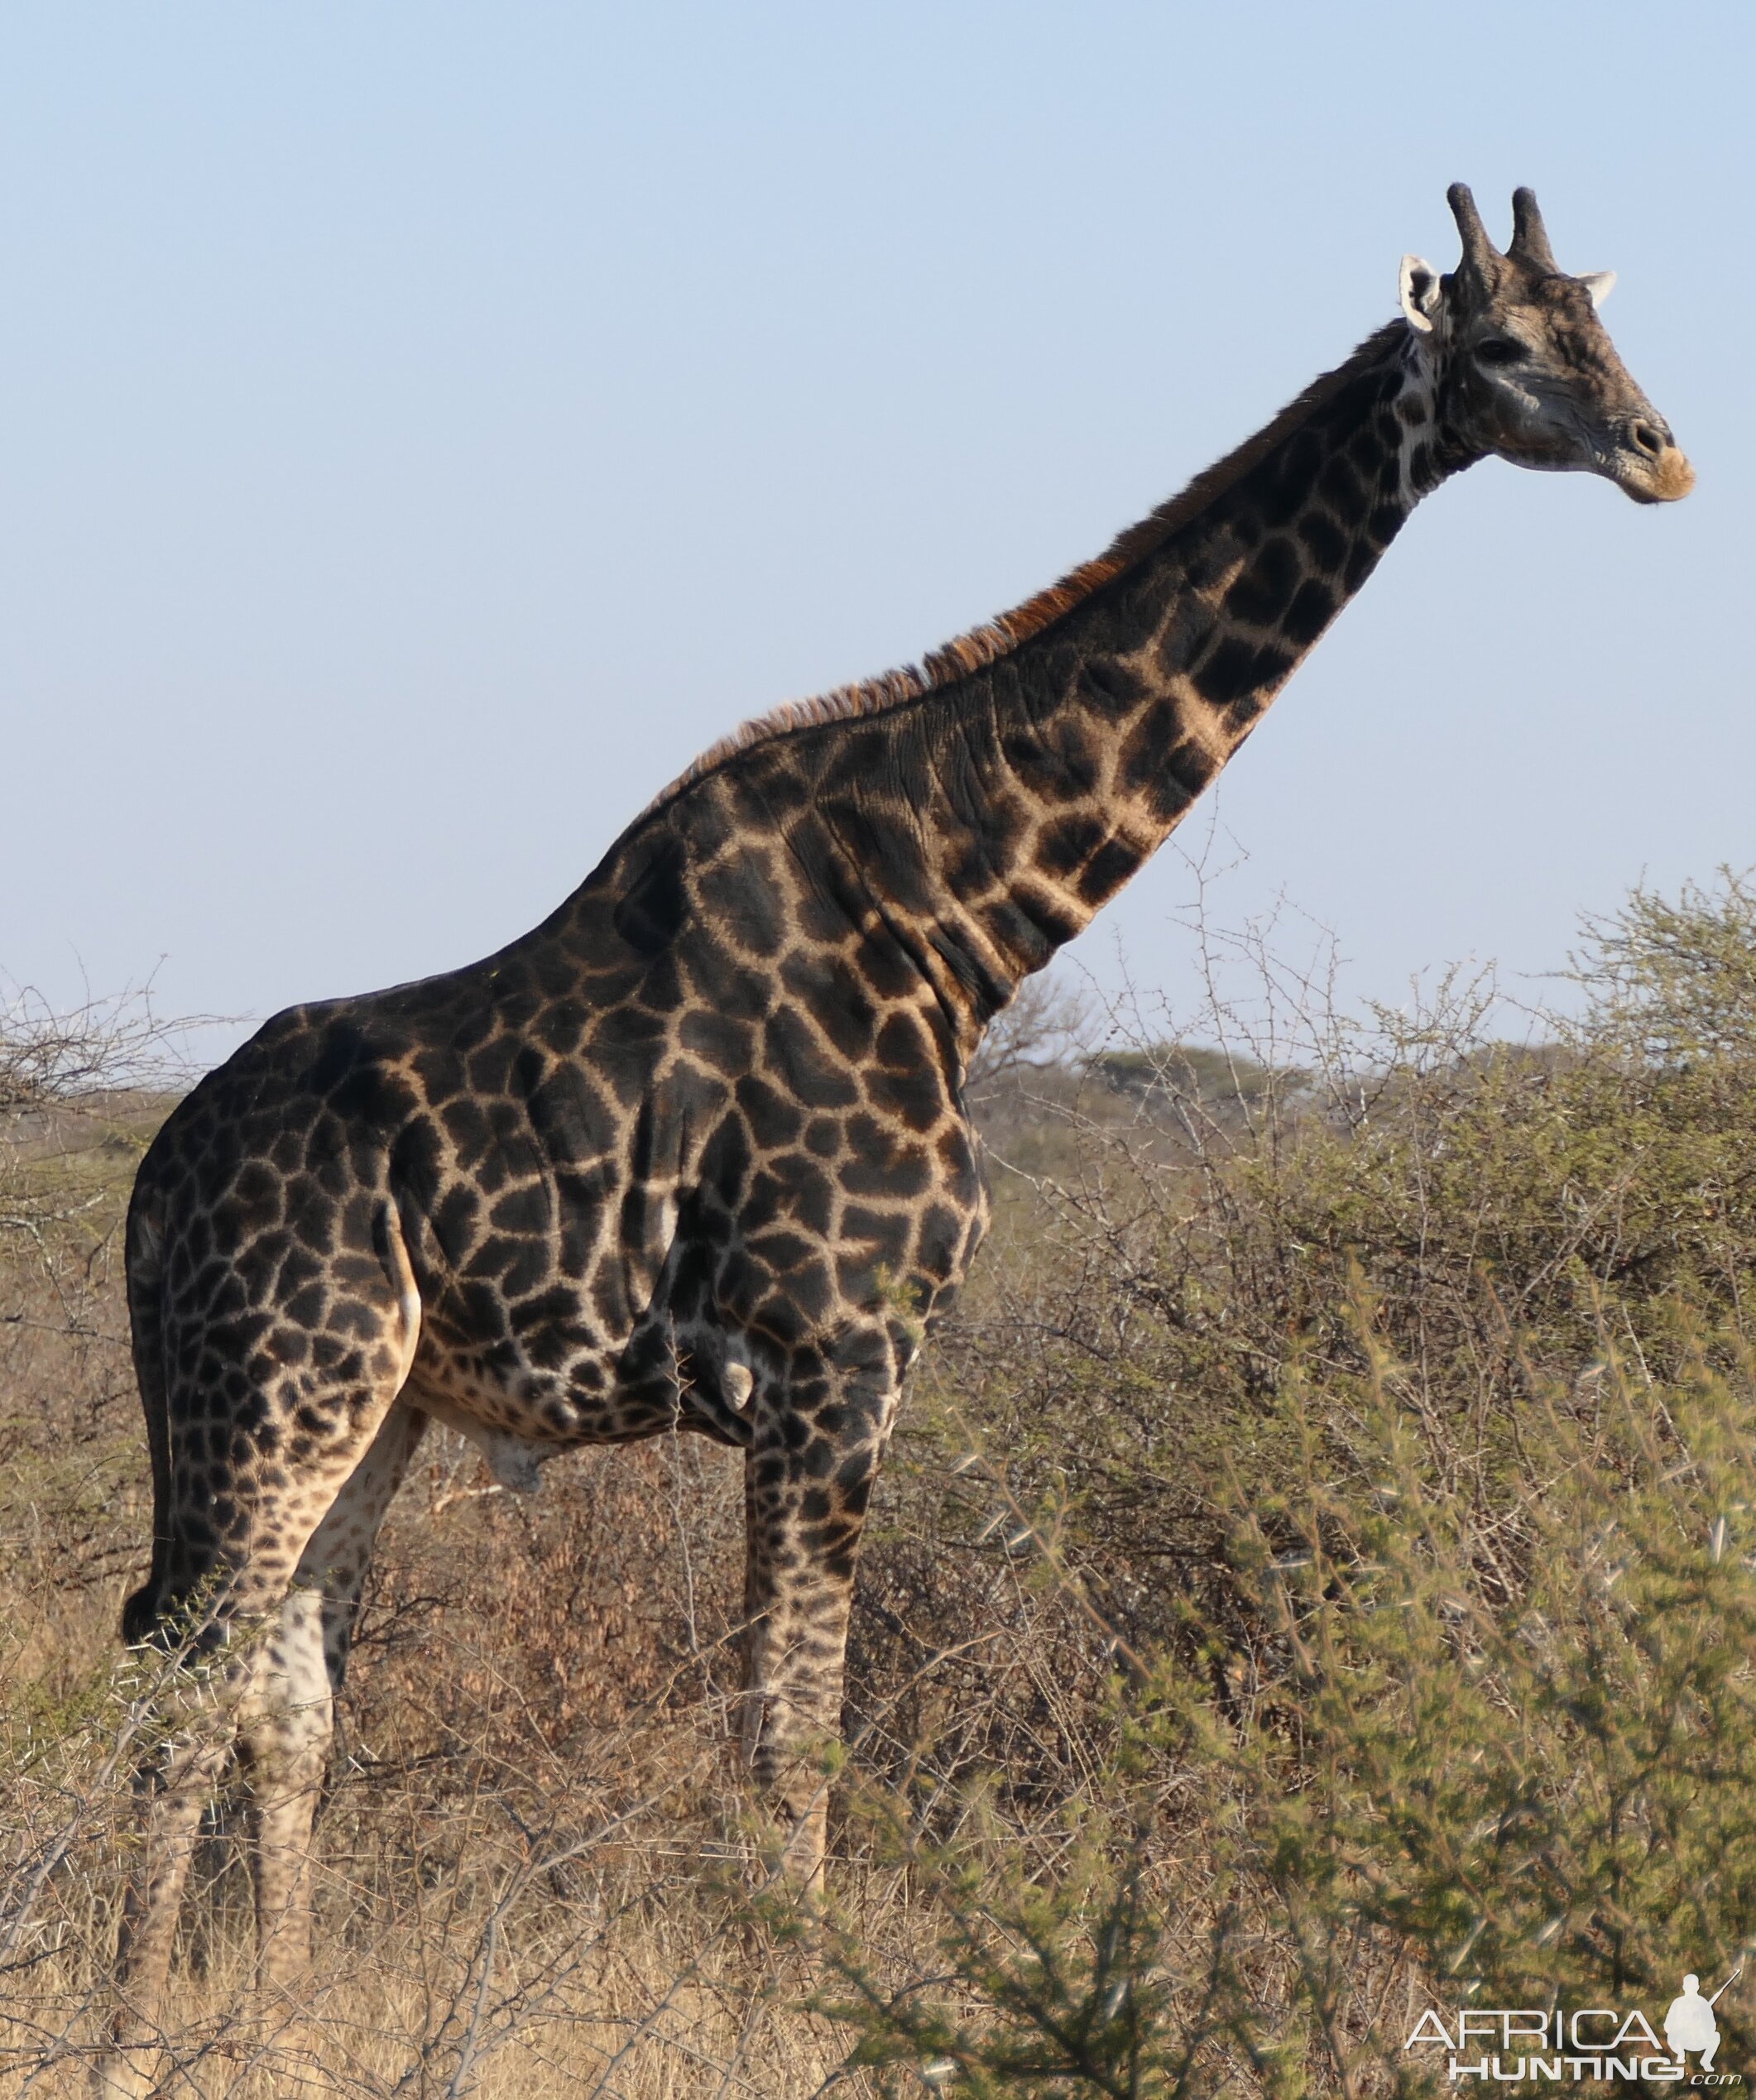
(1653, 438)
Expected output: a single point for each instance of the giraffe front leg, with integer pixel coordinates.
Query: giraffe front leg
(808, 1480)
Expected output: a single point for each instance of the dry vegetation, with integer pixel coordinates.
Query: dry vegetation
(1312, 1582)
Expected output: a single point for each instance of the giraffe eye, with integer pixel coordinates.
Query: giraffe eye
(1498, 350)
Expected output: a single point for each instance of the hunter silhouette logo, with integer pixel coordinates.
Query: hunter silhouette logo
(1690, 2024)
(1595, 2043)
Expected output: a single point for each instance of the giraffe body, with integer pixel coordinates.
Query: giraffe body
(693, 1154)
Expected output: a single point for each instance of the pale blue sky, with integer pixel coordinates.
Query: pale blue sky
(426, 426)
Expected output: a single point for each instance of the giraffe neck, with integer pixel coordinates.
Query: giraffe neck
(1040, 781)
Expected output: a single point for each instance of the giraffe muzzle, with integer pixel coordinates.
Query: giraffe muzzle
(1649, 465)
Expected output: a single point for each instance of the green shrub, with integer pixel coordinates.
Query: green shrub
(1494, 1755)
(1394, 1425)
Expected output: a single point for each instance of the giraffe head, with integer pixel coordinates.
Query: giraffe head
(1523, 365)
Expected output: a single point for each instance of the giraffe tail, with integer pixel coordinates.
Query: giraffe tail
(145, 1243)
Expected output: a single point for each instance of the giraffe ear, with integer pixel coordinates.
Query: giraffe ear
(1420, 293)
(1600, 283)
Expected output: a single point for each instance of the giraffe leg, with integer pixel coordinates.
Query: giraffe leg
(805, 1501)
(236, 1512)
(340, 1552)
(287, 1722)
(264, 1660)
(266, 1684)
(171, 1788)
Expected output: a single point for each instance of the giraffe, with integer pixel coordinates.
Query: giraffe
(693, 1154)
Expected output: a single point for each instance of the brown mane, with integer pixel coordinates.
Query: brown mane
(997, 637)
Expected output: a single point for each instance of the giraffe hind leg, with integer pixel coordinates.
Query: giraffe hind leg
(172, 1786)
(286, 1722)
(237, 1513)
